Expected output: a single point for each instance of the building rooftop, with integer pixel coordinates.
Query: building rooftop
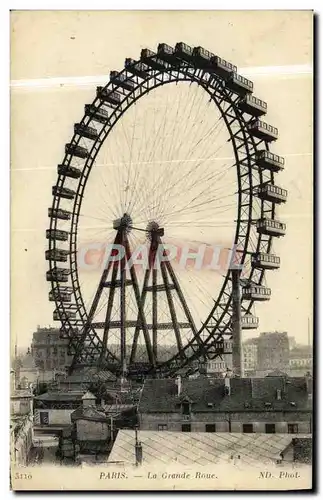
(60, 396)
(118, 408)
(275, 333)
(160, 395)
(48, 335)
(88, 395)
(89, 376)
(300, 352)
(21, 394)
(200, 448)
(89, 413)
(252, 341)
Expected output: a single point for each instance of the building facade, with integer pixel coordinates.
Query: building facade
(220, 366)
(250, 356)
(300, 360)
(49, 350)
(272, 352)
(21, 423)
(264, 405)
(53, 409)
(91, 424)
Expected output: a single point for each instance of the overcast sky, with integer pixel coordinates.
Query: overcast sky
(58, 45)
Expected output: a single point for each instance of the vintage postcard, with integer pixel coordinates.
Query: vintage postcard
(162, 247)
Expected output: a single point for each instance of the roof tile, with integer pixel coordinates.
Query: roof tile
(161, 395)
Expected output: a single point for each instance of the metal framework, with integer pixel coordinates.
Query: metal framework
(257, 198)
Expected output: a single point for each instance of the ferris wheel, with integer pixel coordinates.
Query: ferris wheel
(170, 160)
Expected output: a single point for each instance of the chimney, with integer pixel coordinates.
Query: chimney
(123, 384)
(111, 429)
(227, 385)
(178, 382)
(309, 385)
(88, 399)
(138, 449)
(12, 380)
(124, 369)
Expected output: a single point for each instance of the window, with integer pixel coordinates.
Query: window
(247, 428)
(270, 428)
(186, 427)
(185, 408)
(209, 427)
(292, 428)
(162, 427)
(44, 420)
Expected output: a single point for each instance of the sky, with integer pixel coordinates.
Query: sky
(57, 60)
